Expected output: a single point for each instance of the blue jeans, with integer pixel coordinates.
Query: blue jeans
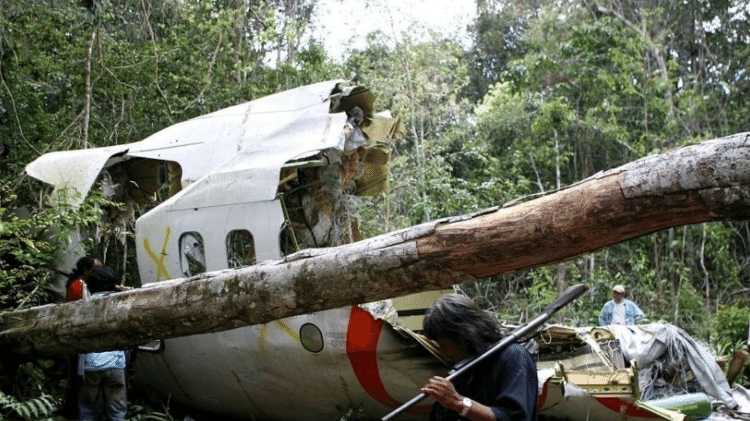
(103, 390)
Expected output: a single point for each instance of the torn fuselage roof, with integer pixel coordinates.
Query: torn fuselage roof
(250, 141)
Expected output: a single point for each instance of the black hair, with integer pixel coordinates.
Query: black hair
(82, 265)
(458, 318)
(102, 278)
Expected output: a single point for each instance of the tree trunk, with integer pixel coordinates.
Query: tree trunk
(705, 182)
(560, 282)
(88, 89)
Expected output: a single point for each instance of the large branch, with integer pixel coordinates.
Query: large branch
(704, 182)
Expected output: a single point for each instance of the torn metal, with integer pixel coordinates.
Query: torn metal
(641, 372)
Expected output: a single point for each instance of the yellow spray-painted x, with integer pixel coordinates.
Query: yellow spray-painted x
(161, 269)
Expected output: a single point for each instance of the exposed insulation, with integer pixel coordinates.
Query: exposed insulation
(319, 200)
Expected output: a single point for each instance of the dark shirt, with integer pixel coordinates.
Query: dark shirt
(506, 383)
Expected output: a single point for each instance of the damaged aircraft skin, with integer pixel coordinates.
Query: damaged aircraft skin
(642, 372)
(260, 180)
(246, 184)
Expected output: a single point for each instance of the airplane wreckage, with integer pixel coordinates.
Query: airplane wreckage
(260, 300)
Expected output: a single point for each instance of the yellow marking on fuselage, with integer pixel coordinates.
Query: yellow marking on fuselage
(161, 269)
(283, 326)
(262, 337)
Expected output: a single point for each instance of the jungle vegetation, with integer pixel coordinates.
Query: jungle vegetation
(543, 94)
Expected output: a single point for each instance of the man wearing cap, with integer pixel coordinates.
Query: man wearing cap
(619, 311)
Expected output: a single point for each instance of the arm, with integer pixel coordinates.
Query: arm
(503, 389)
(634, 311)
(446, 395)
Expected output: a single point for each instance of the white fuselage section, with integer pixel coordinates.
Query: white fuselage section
(226, 214)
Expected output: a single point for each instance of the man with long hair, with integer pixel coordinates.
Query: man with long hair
(502, 387)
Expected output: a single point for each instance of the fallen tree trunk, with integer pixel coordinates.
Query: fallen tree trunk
(709, 181)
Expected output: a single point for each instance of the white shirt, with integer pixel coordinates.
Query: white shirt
(618, 314)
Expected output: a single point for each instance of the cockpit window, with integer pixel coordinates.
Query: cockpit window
(240, 248)
(192, 256)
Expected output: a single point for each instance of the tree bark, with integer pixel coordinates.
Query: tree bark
(704, 182)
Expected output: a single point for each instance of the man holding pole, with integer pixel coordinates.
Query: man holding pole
(501, 387)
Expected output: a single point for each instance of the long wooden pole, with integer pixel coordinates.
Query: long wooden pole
(709, 181)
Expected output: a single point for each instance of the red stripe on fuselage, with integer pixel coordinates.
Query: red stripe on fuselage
(361, 345)
(542, 399)
(625, 408)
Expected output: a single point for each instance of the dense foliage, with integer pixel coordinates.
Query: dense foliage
(551, 93)
(548, 93)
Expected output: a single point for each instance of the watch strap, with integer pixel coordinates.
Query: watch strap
(466, 406)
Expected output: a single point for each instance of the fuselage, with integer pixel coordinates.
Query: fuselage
(228, 177)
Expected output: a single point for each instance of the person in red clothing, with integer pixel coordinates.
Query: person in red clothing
(76, 286)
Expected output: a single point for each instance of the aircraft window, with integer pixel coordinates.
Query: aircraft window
(240, 248)
(192, 257)
(310, 337)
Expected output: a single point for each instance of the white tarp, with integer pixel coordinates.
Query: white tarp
(664, 344)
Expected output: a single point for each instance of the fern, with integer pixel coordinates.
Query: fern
(139, 413)
(32, 409)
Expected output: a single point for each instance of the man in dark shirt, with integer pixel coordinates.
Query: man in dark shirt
(502, 387)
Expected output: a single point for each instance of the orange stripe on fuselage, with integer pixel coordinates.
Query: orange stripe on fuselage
(361, 346)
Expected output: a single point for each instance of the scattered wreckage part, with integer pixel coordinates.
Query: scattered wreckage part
(592, 394)
(693, 405)
(580, 388)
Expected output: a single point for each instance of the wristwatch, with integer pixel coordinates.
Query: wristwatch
(467, 405)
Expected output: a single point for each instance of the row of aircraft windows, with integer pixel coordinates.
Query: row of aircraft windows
(240, 251)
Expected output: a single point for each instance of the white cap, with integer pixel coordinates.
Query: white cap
(619, 288)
